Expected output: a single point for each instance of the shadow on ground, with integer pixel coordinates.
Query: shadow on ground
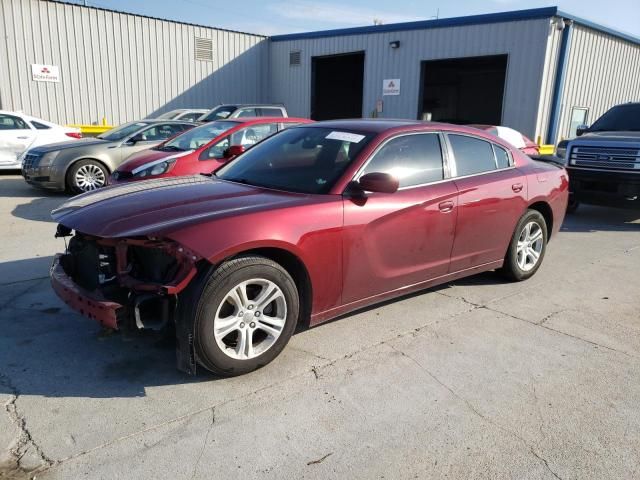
(590, 218)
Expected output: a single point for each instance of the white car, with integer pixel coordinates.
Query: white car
(20, 132)
(186, 114)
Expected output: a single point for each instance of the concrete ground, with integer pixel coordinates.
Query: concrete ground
(476, 379)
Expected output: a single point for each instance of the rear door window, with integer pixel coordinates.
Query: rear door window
(413, 159)
(253, 134)
(472, 155)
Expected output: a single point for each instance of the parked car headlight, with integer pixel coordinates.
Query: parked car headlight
(48, 158)
(561, 149)
(154, 168)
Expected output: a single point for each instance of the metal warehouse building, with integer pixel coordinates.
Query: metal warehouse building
(540, 71)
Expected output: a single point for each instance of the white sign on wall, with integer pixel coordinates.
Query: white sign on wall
(45, 73)
(391, 86)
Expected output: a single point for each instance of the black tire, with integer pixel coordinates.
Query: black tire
(71, 183)
(572, 205)
(213, 291)
(511, 269)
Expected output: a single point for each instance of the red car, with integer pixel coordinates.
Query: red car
(514, 137)
(314, 222)
(202, 149)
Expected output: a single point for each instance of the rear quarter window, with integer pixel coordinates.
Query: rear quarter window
(40, 126)
(503, 159)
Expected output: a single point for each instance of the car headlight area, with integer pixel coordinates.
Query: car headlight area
(153, 168)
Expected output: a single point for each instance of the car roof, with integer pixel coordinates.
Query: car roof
(379, 125)
(243, 105)
(257, 120)
(188, 110)
(162, 120)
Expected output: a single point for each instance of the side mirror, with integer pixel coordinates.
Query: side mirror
(233, 151)
(581, 130)
(136, 138)
(379, 182)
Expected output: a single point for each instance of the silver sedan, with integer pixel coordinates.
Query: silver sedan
(85, 165)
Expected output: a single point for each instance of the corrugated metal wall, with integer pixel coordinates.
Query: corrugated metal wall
(524, 41)
(548, 80)
(123, 67)
(603, 71)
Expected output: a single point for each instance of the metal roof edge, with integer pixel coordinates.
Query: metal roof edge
(601, 28)
(121, 12)
(530, 14)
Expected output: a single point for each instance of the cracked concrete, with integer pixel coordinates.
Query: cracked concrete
(23, 457)
(478, 379)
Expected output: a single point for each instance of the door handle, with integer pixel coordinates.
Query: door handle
(22, 138)
(445, 207)
(517, 187)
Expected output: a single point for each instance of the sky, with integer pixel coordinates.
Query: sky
(270, 17)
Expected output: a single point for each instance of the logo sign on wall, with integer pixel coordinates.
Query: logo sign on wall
(45, 73)
(391, 86)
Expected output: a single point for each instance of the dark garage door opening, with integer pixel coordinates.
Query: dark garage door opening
(463, 90)
(337, 86)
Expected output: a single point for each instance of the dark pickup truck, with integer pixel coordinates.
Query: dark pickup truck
(604, 161)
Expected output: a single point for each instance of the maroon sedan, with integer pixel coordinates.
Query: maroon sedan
(311, 223)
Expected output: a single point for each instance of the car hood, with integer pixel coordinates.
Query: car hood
(157, 207)
(146, 156)
(631, 136)
(81, 143)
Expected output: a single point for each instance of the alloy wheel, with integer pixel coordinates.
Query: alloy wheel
(89, 177)
(250, 319)
(530, 245)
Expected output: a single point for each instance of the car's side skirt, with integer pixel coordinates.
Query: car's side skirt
(321, 317)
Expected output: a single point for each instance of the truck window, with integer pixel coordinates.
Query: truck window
(619, 118)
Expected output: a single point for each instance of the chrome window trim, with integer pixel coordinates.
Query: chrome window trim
(453, 157)
(445, 166)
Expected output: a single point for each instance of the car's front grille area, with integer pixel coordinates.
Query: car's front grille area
(611, 158)
(121, 175)
(31, 160)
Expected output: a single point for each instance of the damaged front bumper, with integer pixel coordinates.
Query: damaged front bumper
(130, 283)
(92, 305)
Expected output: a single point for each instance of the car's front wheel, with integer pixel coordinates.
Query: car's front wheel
(246, 314)
(86, 175)
(527, 248)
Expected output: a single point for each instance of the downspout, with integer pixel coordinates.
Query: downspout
(558, 87)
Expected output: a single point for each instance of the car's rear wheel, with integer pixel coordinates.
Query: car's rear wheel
(86, 175)
(246, 314)
(527, 248)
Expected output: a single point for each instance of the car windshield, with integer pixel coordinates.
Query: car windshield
(619, 118)
(122, 131)
(169, 115)
(218, 113)
(197, 137)
(299, 159)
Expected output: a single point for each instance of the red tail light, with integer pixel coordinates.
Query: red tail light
(73, 134)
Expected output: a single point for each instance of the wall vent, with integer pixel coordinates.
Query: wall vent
(294, 58)
(204, 49)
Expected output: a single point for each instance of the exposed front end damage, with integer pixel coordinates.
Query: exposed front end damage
(127, 283)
